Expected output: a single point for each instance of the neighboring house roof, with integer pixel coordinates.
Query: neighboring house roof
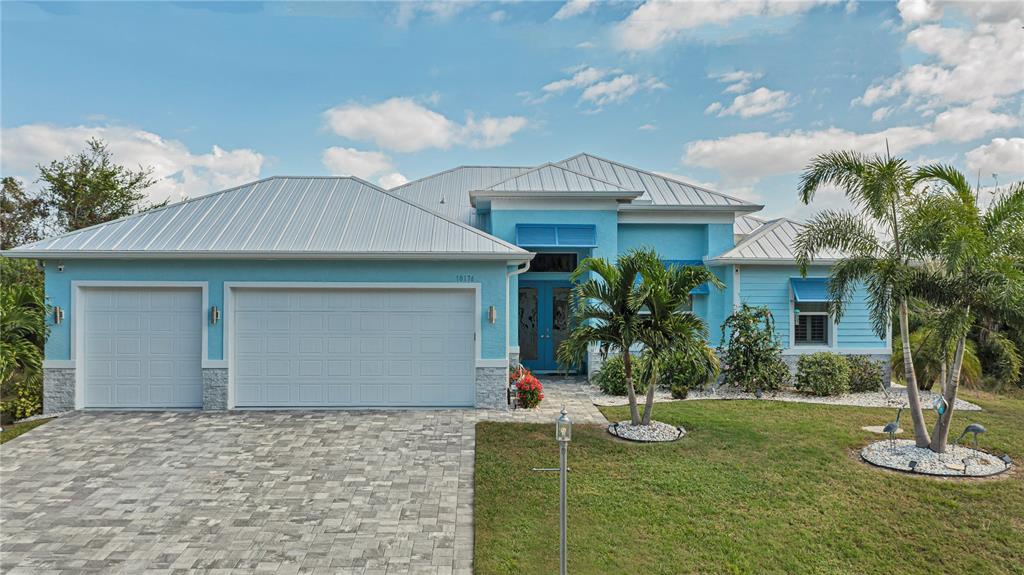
(747, 224)
(283, 217)
(773, 242)
(447, 192)
(550, 180)
(659, 191)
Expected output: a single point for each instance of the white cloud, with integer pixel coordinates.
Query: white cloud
(179, 172)
(352, 162)
(757, 103)
(739, 81)
(583, 77)
(881, 114)
(916, 11)
(573, 8)
(392, 180)
(713, 107)
(618, 89)
(971, 122)
(441, 11)
(961, 64)
(587, 45)
(403, 125)
(498, 16)
(1000, 156)
(851, 7)
(648, 127)
(657, 21)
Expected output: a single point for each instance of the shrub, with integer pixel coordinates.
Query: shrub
(611, 378)
(752, 353)
(823, 373)
(531, 392)
(865, 375)
(683, 371)
(517, 372)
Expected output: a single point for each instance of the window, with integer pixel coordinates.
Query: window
(554, 263)
(811, 324)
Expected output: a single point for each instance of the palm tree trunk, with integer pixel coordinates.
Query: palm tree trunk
(649, 404)
(627, 367)
(913, 396)
(940, 435)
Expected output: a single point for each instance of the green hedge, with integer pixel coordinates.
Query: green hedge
(865, 375)
(823, 373)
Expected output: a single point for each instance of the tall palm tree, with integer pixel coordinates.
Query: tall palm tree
(973, 265)
(667, 326)
(606, 306)
(880, 188)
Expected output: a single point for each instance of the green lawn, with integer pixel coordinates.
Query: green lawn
(754, 487)
(15, 429)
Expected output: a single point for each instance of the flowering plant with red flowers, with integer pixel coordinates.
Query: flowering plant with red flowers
(517, 373)
(531, 392)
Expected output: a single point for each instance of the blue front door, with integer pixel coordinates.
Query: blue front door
(543, 322)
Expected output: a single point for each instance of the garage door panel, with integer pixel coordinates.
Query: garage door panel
(142, 347)
(358, 347)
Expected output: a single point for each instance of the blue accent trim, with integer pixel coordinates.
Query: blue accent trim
(556, 235)
(810, 290)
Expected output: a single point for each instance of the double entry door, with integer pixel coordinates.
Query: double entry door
(543, 322)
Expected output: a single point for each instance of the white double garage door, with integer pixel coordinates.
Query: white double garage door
(287, 347)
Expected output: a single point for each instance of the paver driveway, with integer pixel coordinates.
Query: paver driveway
(276, 492)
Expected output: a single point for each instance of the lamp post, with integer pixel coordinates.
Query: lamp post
(563, 434)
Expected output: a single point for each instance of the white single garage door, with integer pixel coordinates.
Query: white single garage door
(300, 347)
(142, 347)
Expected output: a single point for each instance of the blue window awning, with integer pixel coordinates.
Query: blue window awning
(810, 290)
(556, 235)
(702, 289)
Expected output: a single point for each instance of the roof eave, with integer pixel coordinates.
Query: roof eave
(521, 255)
(743, 208)
(619, 196)
(736, 260)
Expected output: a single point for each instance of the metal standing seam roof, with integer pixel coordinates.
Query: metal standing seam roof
(453, 186)
(772, 242)
(658, 190)
(746, 224)
(551, 178)
(299, 217)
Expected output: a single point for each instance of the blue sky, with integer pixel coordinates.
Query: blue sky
(733, 96)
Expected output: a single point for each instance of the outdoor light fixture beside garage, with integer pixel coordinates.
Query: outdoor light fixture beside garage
(214, 315)
(492, 315)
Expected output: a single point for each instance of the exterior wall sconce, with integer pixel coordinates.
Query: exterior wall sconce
(492, 315)
(214, 315)
(58, 315)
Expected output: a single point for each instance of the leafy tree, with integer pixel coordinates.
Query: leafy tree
(881, 190)
(23, 332)
(90, 188)
(668, 328)
(606, 310)
(21, 215)
(752, 353)
(973, 267)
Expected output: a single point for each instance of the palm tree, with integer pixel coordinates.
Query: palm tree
(973, 266)
(881, 190)
(668, 327)
(606, 309)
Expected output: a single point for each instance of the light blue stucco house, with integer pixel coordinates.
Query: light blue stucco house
(332, 292)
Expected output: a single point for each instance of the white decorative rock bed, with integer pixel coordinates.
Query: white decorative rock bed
(656, 432)
(957, 461)
(896, 397)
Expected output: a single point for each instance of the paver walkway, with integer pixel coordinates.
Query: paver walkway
(266, 492)
(370, 492)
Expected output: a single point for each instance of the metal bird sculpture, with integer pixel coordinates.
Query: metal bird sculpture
(892, 427)
(976, 429)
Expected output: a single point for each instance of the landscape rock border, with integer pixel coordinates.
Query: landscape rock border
(656, 432)
(958, 461)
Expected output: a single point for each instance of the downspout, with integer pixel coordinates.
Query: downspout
(525, 267)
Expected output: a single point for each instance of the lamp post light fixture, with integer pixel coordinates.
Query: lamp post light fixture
(563, 434)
